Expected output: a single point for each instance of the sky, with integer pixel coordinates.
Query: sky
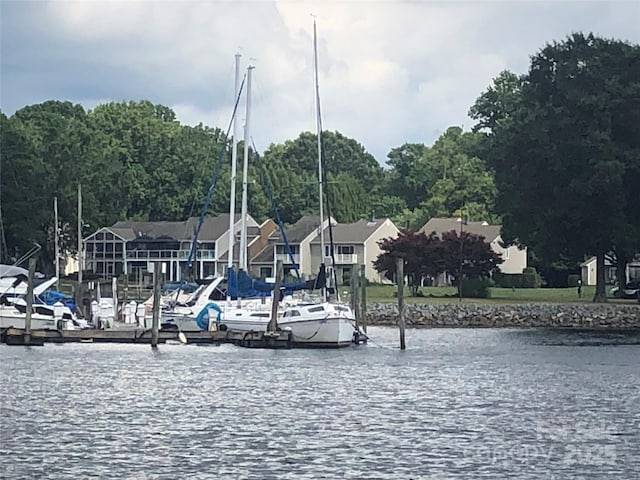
(390, 72)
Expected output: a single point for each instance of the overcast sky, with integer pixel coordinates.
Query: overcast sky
(391, 72)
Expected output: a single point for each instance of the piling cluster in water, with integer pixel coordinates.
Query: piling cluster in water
(506, 315)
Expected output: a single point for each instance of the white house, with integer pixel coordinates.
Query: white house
(588, 271)
(514, 258)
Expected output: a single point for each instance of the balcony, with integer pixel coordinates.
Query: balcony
(168, 255)
(343, 259)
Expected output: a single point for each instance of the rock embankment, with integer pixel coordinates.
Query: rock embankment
(507, 315)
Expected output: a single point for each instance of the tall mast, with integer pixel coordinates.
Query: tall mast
(245, 172)
(234, 157)
(55, 241)
(319, 138)
(80, 236)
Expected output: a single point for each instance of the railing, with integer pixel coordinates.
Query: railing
(343, 258)
(154, 254)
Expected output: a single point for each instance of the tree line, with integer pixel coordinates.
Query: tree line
(554, 156)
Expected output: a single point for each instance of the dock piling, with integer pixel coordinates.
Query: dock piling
(27, 320)
(401, 309)
(155, 324)
(363, 298)
(273, 322)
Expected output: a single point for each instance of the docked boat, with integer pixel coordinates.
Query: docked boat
(43, 316)
(312, 323)
(13, 305)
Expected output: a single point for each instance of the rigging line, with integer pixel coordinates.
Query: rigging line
(276, 211)
(214, 178)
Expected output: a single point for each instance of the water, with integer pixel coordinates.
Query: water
(457, 404)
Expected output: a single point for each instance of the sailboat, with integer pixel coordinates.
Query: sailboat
(312, 324)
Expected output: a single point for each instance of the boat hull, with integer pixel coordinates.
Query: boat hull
(325, 332)
(17, 320)
(326, 328)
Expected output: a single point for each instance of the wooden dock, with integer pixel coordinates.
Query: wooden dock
(16, 336)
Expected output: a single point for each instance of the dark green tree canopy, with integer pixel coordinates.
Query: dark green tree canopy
(565, 142)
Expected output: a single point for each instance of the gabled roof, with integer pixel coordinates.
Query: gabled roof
(212, 228)
(442, 225)
(264, 256)
(124, 234)
(357, 232)
(304, 227)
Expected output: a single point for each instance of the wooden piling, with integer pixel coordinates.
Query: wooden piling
(401, 309)
(363, 298)
(273, 321)
(155, 324)
(354, 295)
(27, 320)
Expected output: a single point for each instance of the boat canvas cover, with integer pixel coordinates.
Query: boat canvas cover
(242, 285)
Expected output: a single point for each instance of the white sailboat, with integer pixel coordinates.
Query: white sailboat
(312, 324)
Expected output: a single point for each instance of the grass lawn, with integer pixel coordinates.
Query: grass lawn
(386, 293)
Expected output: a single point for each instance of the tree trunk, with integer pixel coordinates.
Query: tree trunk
(601, 295)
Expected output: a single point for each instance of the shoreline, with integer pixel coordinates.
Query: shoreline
(529, 315)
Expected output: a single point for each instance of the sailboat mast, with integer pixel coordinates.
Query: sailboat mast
(55, 241)
(80, 236)
(319, 139)
(234, 168)
(245, 173)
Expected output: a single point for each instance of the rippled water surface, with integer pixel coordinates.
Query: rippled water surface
(457, 404)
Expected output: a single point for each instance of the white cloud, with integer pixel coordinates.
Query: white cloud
(390, 72)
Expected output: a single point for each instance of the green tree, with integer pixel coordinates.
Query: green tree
(566, 149)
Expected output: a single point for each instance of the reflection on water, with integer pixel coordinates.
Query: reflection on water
(461, 403)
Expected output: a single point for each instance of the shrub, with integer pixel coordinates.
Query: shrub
(508, 280)
(530, 278)
(476, 287)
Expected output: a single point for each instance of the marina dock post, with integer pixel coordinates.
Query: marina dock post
(363, 298)
(27, 320)
(354, 295)
(401, 309)
(273, 321)
(155, 324)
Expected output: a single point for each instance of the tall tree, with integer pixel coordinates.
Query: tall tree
(566, 149)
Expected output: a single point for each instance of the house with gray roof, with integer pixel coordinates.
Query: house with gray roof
(354, 244)
(295, 253)
(514, 258)
(129, 247)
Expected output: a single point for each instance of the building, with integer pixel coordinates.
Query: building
(588, 270)
(514, 258)
(354, 244)
(129, 247)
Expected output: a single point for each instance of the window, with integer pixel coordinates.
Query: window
(282, 249)
(265, 272)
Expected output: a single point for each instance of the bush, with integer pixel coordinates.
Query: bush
(476, 287)
(530, 278)
(508, 280)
